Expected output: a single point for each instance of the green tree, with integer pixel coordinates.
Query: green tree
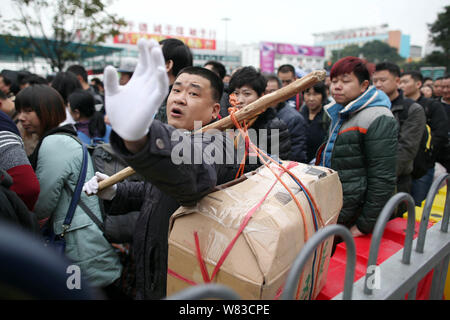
(374, 51)
(350, 50)
(379, 51)
(440, 35)
(59, 30)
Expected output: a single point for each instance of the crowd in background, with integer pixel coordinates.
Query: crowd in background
(384, 131)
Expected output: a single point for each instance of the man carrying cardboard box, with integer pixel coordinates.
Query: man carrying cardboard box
(148, 147)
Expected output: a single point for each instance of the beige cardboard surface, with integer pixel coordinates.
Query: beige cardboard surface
(259, 262)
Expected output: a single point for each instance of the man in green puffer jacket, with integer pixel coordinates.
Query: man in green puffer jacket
(361, 144)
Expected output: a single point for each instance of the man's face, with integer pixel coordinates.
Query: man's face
(428, 82)
(446, 90)
(245, 95)
(272, 86)
(7, 106)
(191, 99)
(286, 78)
(438, 88)
(385, 81)
(346, 88)
(409, 85)
(3, 86)
(124, 78)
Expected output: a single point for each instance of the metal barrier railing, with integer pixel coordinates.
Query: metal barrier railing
(378, 231)
(401, 272)
(309, 248)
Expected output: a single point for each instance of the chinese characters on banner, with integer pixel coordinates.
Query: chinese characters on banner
(193, 43)
(194, 38)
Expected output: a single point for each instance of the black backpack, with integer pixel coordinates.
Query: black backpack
(12, 208)
(106, 161)
(424, 156)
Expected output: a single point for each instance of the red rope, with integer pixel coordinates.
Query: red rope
(248, 144)
(200, 260)
(180, 277)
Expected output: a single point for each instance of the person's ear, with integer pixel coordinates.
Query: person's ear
(418, 85)
(215, 111)
(169, 66)
(364, 85)
(75, 114)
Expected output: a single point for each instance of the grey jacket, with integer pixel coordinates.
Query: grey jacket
(410, 133)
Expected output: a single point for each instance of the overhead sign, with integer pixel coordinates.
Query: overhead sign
(193, 43)
(268, 51)
(194, 38)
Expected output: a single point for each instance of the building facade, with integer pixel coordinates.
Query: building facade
(268, 56)
(337, 40)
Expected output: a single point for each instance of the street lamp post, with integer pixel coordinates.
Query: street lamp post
(226, 40)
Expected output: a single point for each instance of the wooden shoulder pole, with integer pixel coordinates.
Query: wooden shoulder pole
(248, 112)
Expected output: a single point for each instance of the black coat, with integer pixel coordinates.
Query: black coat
(297, 127)
(168, 185)
(269, 121)
(438, 122)
(316, 131)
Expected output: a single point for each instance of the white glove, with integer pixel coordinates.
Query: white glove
(91, 187)
(131, 108)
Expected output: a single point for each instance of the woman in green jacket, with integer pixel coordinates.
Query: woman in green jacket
(57, 161)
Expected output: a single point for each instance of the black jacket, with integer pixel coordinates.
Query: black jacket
(168, 185)
(269, 121)
(316, 131)
(297, 127)
(437, 120)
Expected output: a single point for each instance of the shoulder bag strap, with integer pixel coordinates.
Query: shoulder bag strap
(87, 210)
(77, 192)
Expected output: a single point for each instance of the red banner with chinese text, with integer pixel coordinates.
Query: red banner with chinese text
(193, 43)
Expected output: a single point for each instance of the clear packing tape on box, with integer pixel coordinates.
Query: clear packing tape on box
(259, 214)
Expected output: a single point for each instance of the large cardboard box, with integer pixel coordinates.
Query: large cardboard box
(259, 261)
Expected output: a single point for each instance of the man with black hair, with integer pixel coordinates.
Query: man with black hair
(7, 105)
(286, 73)
(216, 67)
(410, 117)
(148, 146)
(437, 87)
(5, 85)
(177, 56)
(82, 76)
(410, 83)
(219, 69)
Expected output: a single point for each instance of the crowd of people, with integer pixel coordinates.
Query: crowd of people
(383, 130)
